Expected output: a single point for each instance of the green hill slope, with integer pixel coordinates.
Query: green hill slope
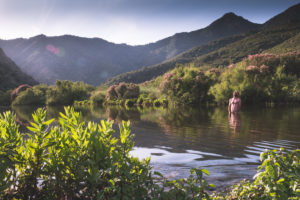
(292, 44)
(253, 44)
(147, 73)
(10, 74)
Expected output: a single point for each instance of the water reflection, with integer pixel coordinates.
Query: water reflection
(180, 138)
(234, 121)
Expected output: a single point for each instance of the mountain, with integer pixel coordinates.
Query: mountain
(289, 16)
(228, 25)
(94, 60)
(187, 57)
(278, 33)
(10, 74)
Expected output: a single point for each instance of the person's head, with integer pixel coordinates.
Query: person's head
(235, 94)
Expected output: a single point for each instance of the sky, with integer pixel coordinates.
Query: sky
(132, 22)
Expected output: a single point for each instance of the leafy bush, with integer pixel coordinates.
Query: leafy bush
(278, 178)
(186, 85)
(122, 91)
(97, 98)
(70, 160)
(66, 92)
(32, 96)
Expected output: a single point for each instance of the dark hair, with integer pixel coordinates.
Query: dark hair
(235, 93)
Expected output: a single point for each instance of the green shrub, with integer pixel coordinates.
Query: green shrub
(66, 92)
(122, 91)
(186, 85)
(32, 96)
(278, 178)
(97, 98)
(82, 103)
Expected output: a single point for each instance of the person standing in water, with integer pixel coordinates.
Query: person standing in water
(234, 106)
(235, 103)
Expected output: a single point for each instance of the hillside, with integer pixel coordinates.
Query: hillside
(147, 73)
(228, 25)
(253, 44)
(10, 74)
(280, 29)
(292, 44)
(94, 60)
(289, 16)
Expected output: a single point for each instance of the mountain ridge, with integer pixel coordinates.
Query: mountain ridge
(94, 60)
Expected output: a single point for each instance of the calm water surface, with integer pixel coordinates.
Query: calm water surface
(179, 139)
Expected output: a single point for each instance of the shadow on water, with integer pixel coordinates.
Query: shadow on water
(184, 137)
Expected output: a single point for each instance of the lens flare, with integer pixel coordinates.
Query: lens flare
(55, 50)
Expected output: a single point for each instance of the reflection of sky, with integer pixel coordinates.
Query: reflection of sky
(125, 21)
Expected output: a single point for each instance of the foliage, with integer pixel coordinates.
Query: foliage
(83, 103)
(261, 78)
(66, 92)
(122, 91)
(292, 44)
(63, 93)
(186, 85)
(278, 178)
(97, 98)
(32, 96)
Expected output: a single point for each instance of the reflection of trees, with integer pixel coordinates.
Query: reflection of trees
(183, 120)
(118, 114)
(24, 113)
